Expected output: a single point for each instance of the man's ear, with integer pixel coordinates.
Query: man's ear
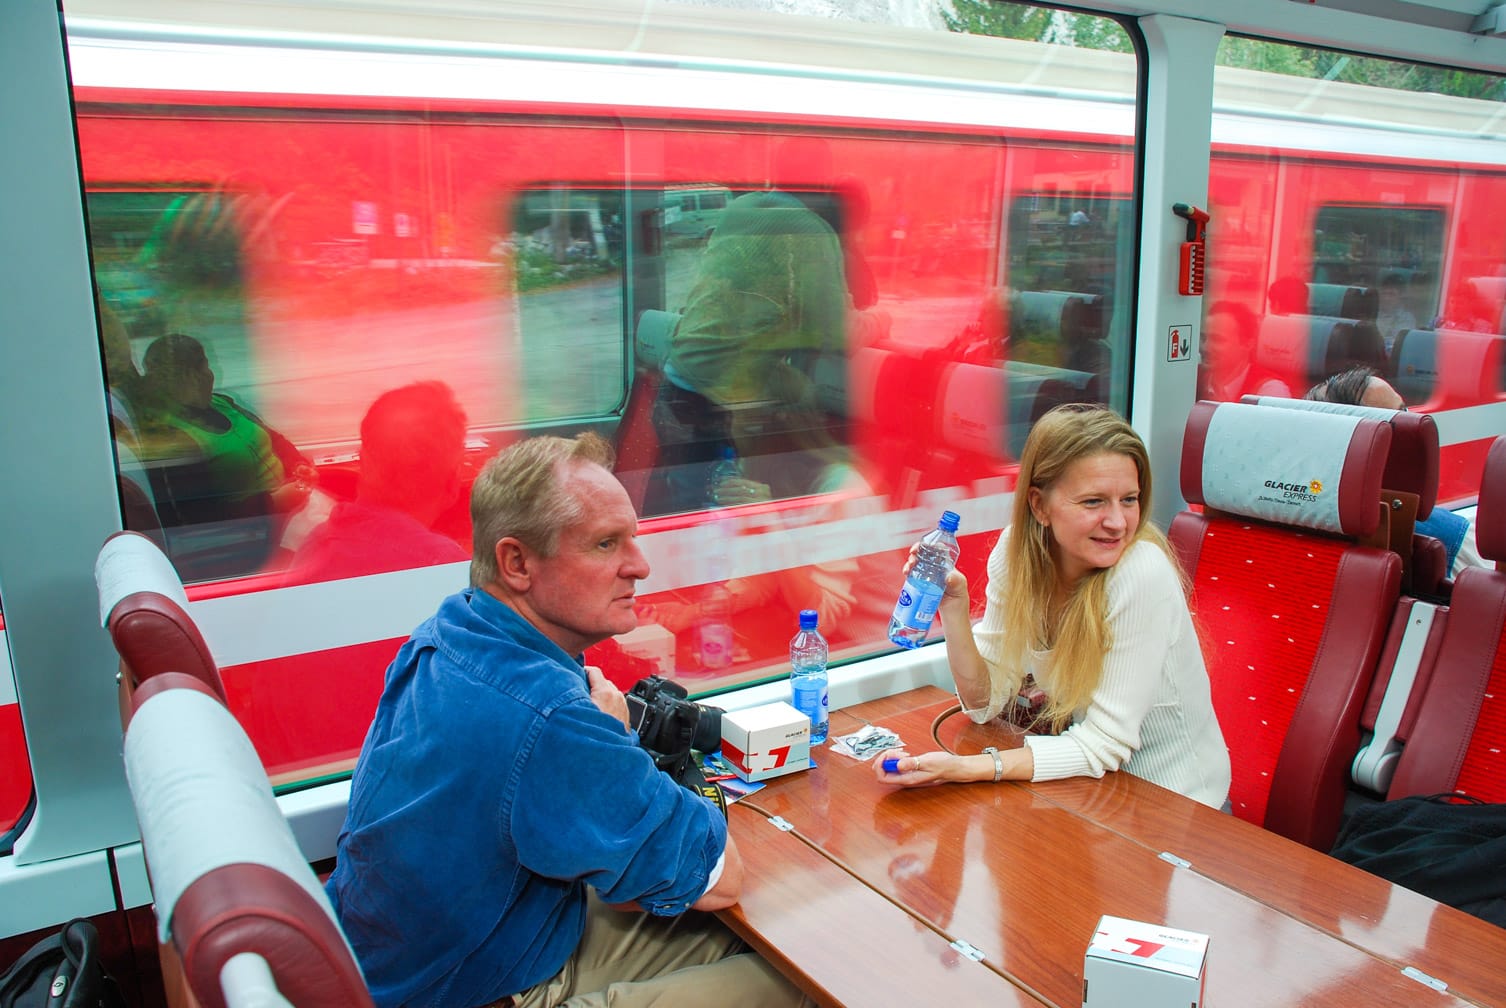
(514, 564)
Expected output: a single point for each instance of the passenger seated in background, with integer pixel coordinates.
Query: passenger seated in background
(412, 447)
(224, 461)
(1228, 369)
(1392, 317)
(1362, 386)
(1086, 601)
(504, 824)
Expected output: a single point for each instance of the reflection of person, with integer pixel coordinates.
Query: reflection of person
(1228, 369)
(788, 450)
(1288, 296)
(124, 380)
(1392, 316)
(770, 289)
(412, 446)
(1362, 386)
(227, 463)
(1085, 599)
(502, 815)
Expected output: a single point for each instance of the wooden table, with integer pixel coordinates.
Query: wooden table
(871, 894)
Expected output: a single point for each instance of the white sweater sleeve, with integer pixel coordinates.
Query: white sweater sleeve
(1146, 613)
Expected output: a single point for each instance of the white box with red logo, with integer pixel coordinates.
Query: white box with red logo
(766, 741)
(1132, 964)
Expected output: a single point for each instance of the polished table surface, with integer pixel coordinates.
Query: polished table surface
(862, 898)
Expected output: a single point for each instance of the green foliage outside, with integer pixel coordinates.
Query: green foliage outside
(1090, 31)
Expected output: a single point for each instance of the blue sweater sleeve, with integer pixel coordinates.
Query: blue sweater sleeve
(592, 806)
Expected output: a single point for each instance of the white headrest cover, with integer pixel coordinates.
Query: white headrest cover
(132, 563)
(1317, 406)
(972, 409)
(1281, 466)
(202, 799)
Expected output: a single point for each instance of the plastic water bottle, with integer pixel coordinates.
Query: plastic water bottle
(725, 468)
(808, 655)
(918, 599)
(714, 637)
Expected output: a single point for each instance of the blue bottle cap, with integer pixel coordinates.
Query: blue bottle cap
(808, 619)
(891, 765)
(949, 520)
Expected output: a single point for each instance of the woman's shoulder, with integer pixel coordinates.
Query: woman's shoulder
(1144, 565)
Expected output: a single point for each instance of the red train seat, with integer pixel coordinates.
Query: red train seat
(242, 918)
(1409, 485)
(1457, 737)
(1292, 607)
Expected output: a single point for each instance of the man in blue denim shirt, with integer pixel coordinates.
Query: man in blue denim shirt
(502, 815)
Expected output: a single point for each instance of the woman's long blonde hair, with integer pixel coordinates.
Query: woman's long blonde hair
(1080, 637)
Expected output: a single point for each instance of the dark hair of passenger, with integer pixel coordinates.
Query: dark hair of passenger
(1347, 387)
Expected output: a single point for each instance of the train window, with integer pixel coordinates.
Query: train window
(1396, 251)
(566, 251)
(1346, 195)
(854, 267)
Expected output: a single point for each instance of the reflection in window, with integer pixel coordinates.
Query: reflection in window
(1346, 195)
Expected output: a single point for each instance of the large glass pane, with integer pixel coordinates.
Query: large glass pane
(339, 270)
(1347, 196)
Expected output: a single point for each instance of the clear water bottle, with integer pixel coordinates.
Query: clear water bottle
(723, 469)
(918, 599)
(713, 629)
(808, 655)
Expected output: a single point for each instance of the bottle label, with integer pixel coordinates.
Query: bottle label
(917, 604)
(811, 698)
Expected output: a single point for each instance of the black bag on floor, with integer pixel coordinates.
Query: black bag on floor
(1446, 846)
(61, 971)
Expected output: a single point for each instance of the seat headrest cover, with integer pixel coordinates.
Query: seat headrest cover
(1490, 517)
(972, 409)
(203, 800)
(1412, 466)
(129, 562)
(1293, 467)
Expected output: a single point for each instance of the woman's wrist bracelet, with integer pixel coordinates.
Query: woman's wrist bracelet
(998, 763)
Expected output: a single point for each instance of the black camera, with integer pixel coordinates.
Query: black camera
(670, 726)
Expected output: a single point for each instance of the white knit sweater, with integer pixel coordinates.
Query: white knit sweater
(1152, 714)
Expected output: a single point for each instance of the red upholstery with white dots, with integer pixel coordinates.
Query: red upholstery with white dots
(1292, 619)
(1457, 738)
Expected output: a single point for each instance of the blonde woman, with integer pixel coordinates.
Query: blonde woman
(1085, 602)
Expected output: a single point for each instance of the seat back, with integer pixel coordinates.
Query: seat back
(1409, 486)
(1343, 300)
(1447, 368)
(636, 440)
(242, 918)
(1457, 723)
(1292, 609)
(1305, 349)
(144, 607)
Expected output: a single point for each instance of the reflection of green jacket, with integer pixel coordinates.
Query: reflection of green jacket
(771, 286)
(239, 462)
